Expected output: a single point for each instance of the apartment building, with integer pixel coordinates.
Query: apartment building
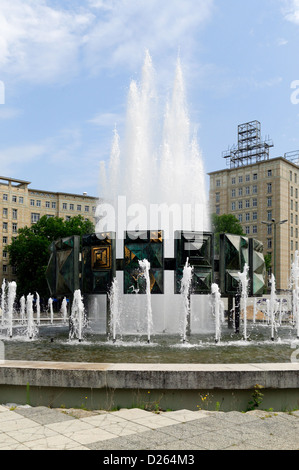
(22, 206)
(263, 193)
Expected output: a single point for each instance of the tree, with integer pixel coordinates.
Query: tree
(29, 251)
(226, 223)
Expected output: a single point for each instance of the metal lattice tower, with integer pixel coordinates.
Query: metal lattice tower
(251, 148)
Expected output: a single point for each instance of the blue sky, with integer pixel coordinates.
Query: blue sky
(67, 65)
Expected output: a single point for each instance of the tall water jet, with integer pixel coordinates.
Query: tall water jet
(3, 301)
(145, 266)
(217, 311)
(243, 277)
(185, 292)
(295, 288)
(23, 309)
(12, 292)
(78, 320)
(64, 310)
(114, 309)
(50, 305)
(37, 308)
(31, 327)
(273, 306)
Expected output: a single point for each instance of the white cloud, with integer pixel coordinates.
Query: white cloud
(38, 42)
(42, 41)
(291, 10)
(128, 27)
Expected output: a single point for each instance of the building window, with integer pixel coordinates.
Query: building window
(86, 208)
(21, 200)
(247, 190)
(14, 228)
(48, 204)
(241, 192)
(269, 202)
(291, 176)
(292, 231)
(254, 189)
(218, 210)
(240, 205)
(240, 218)
(31, 202)
(269, 243)
(233, 180)
(217, 200)
(34, 218)
(254, 229)
(218, 183)
(67, 217)
(254, 215)
(4, 226)
(14, 198)
(78, 207)
(269, 229)
(292, 191)
(240, 179)
(269, 173)
(4, 268)
(38, 203)
(269, 188)
(64, 206)
(254, 177)
(72, 205)
(247, 178)
(4, 254)
(4, 240)
(247, 217)
(292, 245)
(233, 206)
(233, 193)
(254, 202)
(247, 230)
(15, 213)
(247, 203)
(5, 197)
(292, 219)
(5, 212)
(269, 216)
(53, 205)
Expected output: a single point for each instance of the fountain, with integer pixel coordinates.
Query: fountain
(217, 311)
(244, 296)
(153, 219)
(12, 291)
(37, 308)
(32, 330)
(114, 309)
(185, 292)
(23, 309)
(78, 318)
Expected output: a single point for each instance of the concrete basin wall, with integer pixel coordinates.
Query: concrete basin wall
(151, 386)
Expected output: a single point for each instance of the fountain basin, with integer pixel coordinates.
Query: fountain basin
(150, 386)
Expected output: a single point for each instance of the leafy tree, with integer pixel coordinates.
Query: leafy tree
(29, 251)
(226, 223)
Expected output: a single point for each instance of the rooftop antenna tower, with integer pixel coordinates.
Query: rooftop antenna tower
(251, 148)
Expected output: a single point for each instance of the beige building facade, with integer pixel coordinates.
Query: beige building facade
(264, 196)
(22, 206)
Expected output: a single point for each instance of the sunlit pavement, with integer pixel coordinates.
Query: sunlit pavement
(42, 428)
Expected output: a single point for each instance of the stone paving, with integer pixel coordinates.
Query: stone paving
(42, 428)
